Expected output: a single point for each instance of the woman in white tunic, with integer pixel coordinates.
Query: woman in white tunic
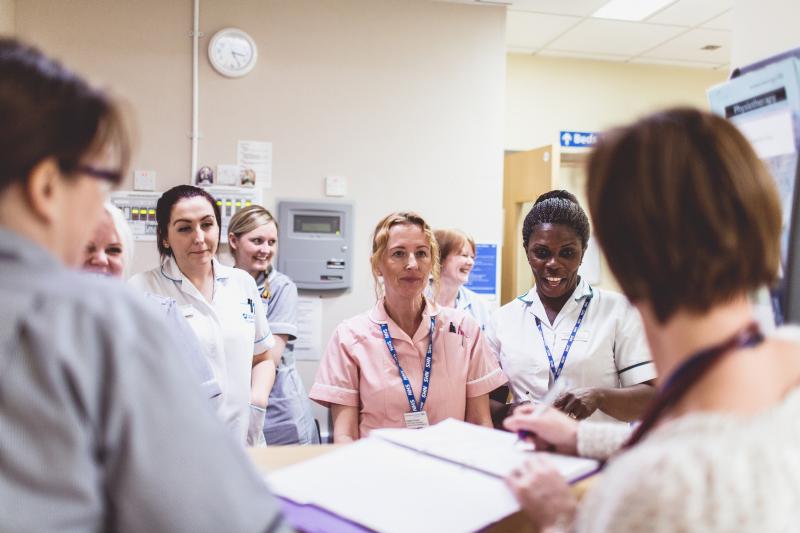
(222, 304)
(253, 241)
(564, 329)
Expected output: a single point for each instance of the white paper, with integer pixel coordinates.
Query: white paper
(770, 134)
(308, 346)
(487, 450)
(256, 156)
(389, 488)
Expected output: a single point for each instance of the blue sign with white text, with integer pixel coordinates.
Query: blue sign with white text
(578, 139)
(483, 278)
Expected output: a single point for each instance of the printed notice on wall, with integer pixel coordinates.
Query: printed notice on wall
(255, 163)
(308, 346)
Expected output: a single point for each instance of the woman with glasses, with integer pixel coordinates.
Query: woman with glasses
(100, 425)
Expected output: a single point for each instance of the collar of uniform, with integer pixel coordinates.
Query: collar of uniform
(379, 315)
(462, 299)
(535, 307)
(16, 246)
(582, 290)
(170, 270)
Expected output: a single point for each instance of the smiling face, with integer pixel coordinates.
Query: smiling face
(192, 233)
(104, 251)
(406, 263)
(554, 254)
(458, 265)
(254, 251)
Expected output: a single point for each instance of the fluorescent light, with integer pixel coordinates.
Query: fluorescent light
(635, 10)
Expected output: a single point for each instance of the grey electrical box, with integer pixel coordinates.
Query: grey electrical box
(316, 243)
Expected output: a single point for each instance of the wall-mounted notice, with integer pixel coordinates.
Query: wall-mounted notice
(255, 161)
(139, 208)
(308, 346)
(483, 278)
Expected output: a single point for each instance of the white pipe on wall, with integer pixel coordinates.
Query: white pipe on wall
(195, 88)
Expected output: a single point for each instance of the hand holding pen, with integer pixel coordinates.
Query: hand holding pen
(549, 429)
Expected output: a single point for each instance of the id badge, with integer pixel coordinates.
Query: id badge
(416, 420)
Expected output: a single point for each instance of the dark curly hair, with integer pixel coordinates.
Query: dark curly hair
(557, 207)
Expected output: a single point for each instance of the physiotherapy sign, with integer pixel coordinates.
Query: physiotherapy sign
(577, 139)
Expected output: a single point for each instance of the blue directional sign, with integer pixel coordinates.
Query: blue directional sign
(483, 278)
(578, 139)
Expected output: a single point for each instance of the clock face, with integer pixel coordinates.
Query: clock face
(232, 52)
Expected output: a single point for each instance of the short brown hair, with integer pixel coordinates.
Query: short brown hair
(46, 110)
(687, 215)
(380, 237)
(451, 241)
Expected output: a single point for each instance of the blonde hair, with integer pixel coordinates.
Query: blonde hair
(247, 219)
(380, 237)
(125, 235)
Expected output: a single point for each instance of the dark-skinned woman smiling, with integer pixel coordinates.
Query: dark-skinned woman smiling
(564, 331)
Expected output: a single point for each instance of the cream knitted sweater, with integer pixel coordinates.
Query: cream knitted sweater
(705, 472)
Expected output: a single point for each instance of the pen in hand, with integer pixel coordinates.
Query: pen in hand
(547, 401)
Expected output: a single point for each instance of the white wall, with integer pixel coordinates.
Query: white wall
(763, 28)
(402, 97)
(7, 25)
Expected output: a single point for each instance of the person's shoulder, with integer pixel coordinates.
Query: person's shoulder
(693, 469)
(148, 278)
(458, 316)
(357, 329)
(519, 303)
(279, 279)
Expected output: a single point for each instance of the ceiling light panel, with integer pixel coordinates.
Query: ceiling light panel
(632, 10)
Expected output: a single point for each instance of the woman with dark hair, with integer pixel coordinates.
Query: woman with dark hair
(690, 222)
(564, 329)
(222, 304)
(86, 441)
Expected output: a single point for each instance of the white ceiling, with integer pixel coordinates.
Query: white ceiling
(675, 35)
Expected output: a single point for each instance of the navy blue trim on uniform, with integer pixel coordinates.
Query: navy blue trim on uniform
(634, 366)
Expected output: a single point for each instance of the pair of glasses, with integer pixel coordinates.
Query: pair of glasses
(112, 176)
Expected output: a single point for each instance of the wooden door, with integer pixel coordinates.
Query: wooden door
(526, 175)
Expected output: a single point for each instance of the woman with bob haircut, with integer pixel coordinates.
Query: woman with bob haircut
(690, 222)
(407, 362)
(101, 427)
(457, 257)
(221, 303)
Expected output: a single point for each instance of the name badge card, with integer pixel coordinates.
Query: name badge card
(416, 420)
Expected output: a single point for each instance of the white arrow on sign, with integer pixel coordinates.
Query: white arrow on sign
(567, 137)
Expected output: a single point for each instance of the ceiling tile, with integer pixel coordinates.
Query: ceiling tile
(687, 47)
(534, 30)
(677, 63)
(691, 12)
(614, 37)
(578, 8)
(722, 22)
(581, 55)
